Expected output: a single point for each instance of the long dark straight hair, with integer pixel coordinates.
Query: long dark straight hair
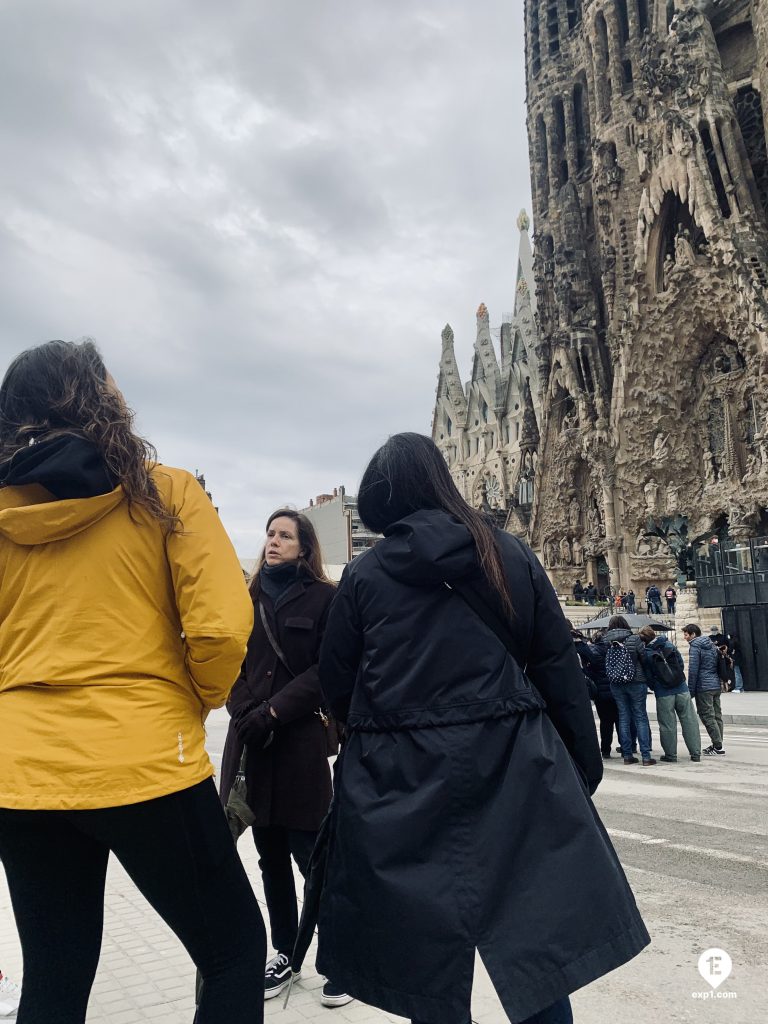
(408, 474)
(311, 558)
(62, 388)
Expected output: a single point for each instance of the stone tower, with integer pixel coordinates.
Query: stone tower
(647, 132)
(488, 430)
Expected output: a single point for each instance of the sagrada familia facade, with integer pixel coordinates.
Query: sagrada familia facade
(631, 381)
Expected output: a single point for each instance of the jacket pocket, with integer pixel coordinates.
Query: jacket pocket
(299, 622)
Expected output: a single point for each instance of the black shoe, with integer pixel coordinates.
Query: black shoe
(648, 761)
(712, 750)
(631, 760)
(277, 976)
(695, 757)
(332, 995)
(669, 760)
(607, 757)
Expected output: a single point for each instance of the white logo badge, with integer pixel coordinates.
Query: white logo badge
(715, 966)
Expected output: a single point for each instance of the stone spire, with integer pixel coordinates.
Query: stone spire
(449, 381)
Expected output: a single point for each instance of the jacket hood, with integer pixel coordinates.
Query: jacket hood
(427, 547)
(616, 634)
(53, 490)
(703, 642)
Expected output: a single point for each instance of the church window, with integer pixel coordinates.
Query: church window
(603, 61)
(581, 117)
(517, 430)
(559, 157)
(553, 27)
(714, 169)
(535, 40)
(670, 12)
(484, 411)
(448, 426)
(626, 72)
(623, 15)
(574, 13)
(642, 15)
(543, 170)
(749, 111)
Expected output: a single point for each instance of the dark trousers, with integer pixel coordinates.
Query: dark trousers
(558, 1013)
(671, 606)
(276, 846)
(711, 715)
(630, 701)
(179, 852)
(608, 716)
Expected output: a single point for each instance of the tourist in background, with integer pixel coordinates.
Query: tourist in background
(734, 647)
(704, 685)
(630, 696)
(123, 621)
(670, 595)
(592, 657)
(673, 703)
(277, 717)
(448, 743)
(654, 600)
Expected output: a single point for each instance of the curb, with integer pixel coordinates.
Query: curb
(758, 720)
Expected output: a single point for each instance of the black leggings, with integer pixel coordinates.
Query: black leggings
(179, 852)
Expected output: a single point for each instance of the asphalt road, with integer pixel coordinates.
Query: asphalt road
(693, 839)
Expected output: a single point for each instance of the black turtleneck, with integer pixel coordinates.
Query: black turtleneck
(275, 580)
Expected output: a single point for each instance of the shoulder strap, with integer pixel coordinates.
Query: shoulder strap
(490, 618)
(272, 642)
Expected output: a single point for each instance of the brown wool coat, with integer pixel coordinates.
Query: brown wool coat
(289, 783)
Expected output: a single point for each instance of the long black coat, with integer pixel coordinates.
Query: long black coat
(459, 819)
(289, 783)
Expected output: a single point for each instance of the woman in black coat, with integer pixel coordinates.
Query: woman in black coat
(462, 817)
(277, 716)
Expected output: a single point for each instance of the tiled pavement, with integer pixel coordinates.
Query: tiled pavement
(145, 974)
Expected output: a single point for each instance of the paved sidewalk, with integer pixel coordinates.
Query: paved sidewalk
(145, 974)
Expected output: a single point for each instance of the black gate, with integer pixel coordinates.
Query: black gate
(750, 624)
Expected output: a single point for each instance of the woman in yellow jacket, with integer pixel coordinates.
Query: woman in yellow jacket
(123, 620)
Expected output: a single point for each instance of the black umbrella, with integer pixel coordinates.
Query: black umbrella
(633, 621)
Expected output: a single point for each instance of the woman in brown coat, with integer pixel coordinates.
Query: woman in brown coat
(277, 717)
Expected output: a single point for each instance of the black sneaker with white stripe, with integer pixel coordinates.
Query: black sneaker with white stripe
(277, 976)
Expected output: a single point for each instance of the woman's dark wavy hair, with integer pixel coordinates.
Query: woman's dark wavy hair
(618, 622)
(408, 474)
(61, 388)
(311, 557)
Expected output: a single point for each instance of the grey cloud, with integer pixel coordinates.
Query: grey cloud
(264, 213)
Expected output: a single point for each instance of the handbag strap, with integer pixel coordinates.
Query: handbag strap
(272, 642)
(484, 612)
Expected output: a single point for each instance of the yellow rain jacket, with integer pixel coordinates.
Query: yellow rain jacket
(115, 641)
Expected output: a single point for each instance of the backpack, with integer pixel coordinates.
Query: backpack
(667, 666)
(619, 665)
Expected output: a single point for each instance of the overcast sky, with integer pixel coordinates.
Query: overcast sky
(264, 212)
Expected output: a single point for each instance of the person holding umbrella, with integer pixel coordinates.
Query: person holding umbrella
(462, 816)
(279, 722)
